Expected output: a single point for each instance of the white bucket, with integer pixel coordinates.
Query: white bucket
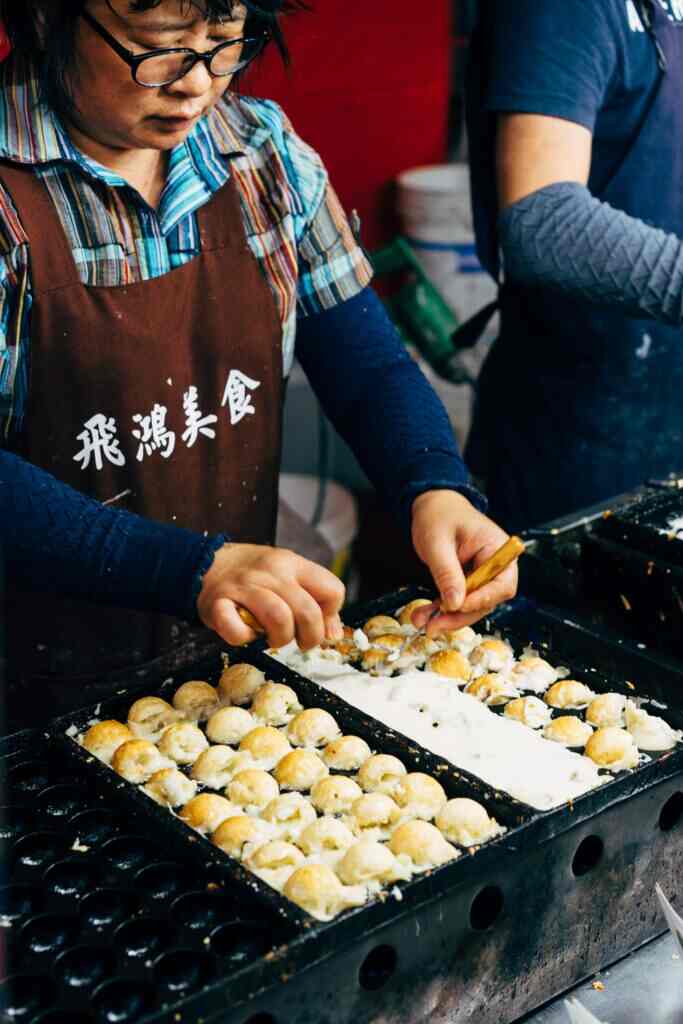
(435, 209)
(339, 522)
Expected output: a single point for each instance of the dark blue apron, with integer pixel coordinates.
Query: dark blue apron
(579, 403)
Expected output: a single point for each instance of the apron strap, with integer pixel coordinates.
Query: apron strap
(52, 262)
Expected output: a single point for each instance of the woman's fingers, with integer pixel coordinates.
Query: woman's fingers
(438, 551)
(226, 621)
(288, 595)
(326, 589)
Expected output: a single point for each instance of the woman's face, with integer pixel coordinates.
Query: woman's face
(116, 112)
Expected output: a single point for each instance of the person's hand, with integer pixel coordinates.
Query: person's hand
(449, 533)
(290, 596)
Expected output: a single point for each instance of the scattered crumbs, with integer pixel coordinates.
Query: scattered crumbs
(206, 940)
(149, 963)
(212, 886)
(650, 568)
(79, 847)
(72, 731)
(177, 1016)
(607, 514)
(284, 978)
(97, 709)
(270, 955)
(598, 986)
(675, 956)
(631, 686)
(641, 647)
(397, 894)
(626, 603)
(169, 381)
(120, 691)
(570, 805)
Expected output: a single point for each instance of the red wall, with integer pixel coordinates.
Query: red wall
(370, 91)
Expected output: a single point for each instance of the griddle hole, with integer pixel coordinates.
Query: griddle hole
(122, 1001)
(73, 877)
(41, 849)
(83, 967)
(29, 777)
(106, 908)
(201, 911)
(588, 855)
(143, 938)
(487, 906)
(22, 996)
(63, 801)
(17, 901)
(93, 828)
(242, 941)
(130, 853)
(163, 881)
(672, 813)
(379, 965)
(48, 934)
(261, 1018)
(184, 970)
(14, 821)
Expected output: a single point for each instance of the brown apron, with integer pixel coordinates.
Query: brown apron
(163, 397)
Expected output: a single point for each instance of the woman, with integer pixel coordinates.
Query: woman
(166, 244)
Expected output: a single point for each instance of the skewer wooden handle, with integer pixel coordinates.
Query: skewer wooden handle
(249, 620)
(496, 564)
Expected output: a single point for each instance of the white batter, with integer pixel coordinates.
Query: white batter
(432, 711)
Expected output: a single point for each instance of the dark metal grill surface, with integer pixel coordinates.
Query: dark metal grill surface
(151, 923)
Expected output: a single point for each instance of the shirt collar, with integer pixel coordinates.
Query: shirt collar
(32, 133)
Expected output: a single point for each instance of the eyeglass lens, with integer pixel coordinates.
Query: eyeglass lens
(167, 68)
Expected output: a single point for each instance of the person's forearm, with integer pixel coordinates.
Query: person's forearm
(562, 238)
(56, 539)
(381, 403)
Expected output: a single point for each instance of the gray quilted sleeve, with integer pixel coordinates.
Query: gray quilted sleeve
(564, 239)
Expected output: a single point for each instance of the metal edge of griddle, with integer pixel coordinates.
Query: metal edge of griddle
(544, 824)
(626, 524)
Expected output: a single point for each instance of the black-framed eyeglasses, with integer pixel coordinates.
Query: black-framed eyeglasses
(157, 68)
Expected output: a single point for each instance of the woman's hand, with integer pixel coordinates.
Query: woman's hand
(449, 533)
(290, 596)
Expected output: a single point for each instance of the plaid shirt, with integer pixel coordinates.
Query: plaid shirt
(293, 221)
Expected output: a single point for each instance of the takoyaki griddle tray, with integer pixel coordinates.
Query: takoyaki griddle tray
(618, 562)
(489, 937)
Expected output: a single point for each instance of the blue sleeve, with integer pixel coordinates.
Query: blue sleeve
(553, 57)
(561, 237)
(381, 403)
(56, 539)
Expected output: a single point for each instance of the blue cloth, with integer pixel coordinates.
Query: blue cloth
(381, 403)
(56, 539)
(563, 239)
(580, 401)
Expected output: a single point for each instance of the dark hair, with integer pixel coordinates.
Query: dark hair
(42, 33)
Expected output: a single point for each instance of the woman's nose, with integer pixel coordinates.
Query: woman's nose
(195, 83)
